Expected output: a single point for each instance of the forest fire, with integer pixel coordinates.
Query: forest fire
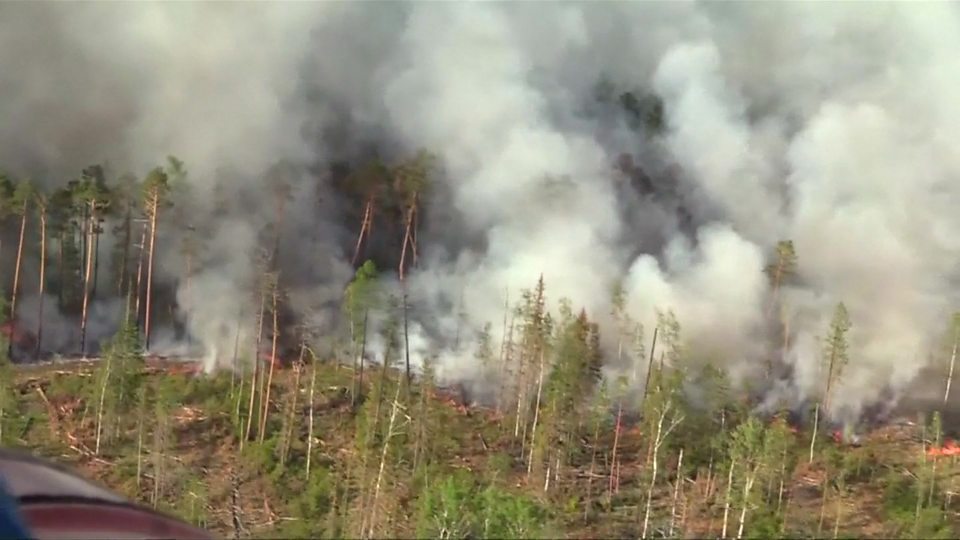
(948, 448)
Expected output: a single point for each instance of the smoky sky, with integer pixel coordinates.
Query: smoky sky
(833, 125)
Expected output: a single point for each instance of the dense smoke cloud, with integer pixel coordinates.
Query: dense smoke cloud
(830, 125)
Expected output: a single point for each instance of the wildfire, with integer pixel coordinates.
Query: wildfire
(949, 448)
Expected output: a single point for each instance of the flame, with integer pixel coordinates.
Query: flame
(949, 448)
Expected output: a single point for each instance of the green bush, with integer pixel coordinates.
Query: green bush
(455, 506)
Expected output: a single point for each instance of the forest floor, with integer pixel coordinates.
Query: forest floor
(203, 465)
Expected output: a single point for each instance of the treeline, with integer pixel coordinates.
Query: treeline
(53, 229)
(58, 232)
(67, 224)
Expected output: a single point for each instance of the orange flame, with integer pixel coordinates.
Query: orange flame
(949, 448)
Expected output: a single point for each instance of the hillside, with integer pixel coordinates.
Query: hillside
(447, 470)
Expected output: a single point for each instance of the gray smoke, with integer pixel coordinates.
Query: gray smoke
(831, 125)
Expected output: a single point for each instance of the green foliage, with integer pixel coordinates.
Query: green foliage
(22, 195)
(124, 354)
(784, 265)
(7, 188)
(456, 506)
(362, 295)
(10, 419)
(413, 175)
(901, 510)
(156, 185)
(836, 352)
(193, 502)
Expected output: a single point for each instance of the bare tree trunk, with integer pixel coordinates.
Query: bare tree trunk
(406, 240)
(726, 504)
(783, 473)
(256, 365)
(816, 426)
(836, 521)
(61, 270)
(823, 504)
(365, 226)
(383, 461)
(139, 449)
(646, 383)
(236, 412)
(143, 242)
(273, 362)
(363, 354)
(96, 258)
(313, 382)
(593, 462)
(86, 298)
(158, 441)
(154, 208)
(953, 361)
(676, 494)
(748, 485)
(406, 338)
(127, 237)
(521, 395)
(43, 280)
(653, 473)
(536, 416)
(16, 277)
(502, 363)
(236, 354)
(614, 484)
(103, 393)
(291, 418)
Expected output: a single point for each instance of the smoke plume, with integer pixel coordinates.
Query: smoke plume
(830, 125)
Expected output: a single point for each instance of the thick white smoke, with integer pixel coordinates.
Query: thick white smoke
(833, 126)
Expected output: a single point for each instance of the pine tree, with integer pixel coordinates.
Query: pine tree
(411, 179)
(20, 202)
(156, 186)
(836, 357)
(361, 296)
(779, 272)
(92, 196)
(42, 203)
